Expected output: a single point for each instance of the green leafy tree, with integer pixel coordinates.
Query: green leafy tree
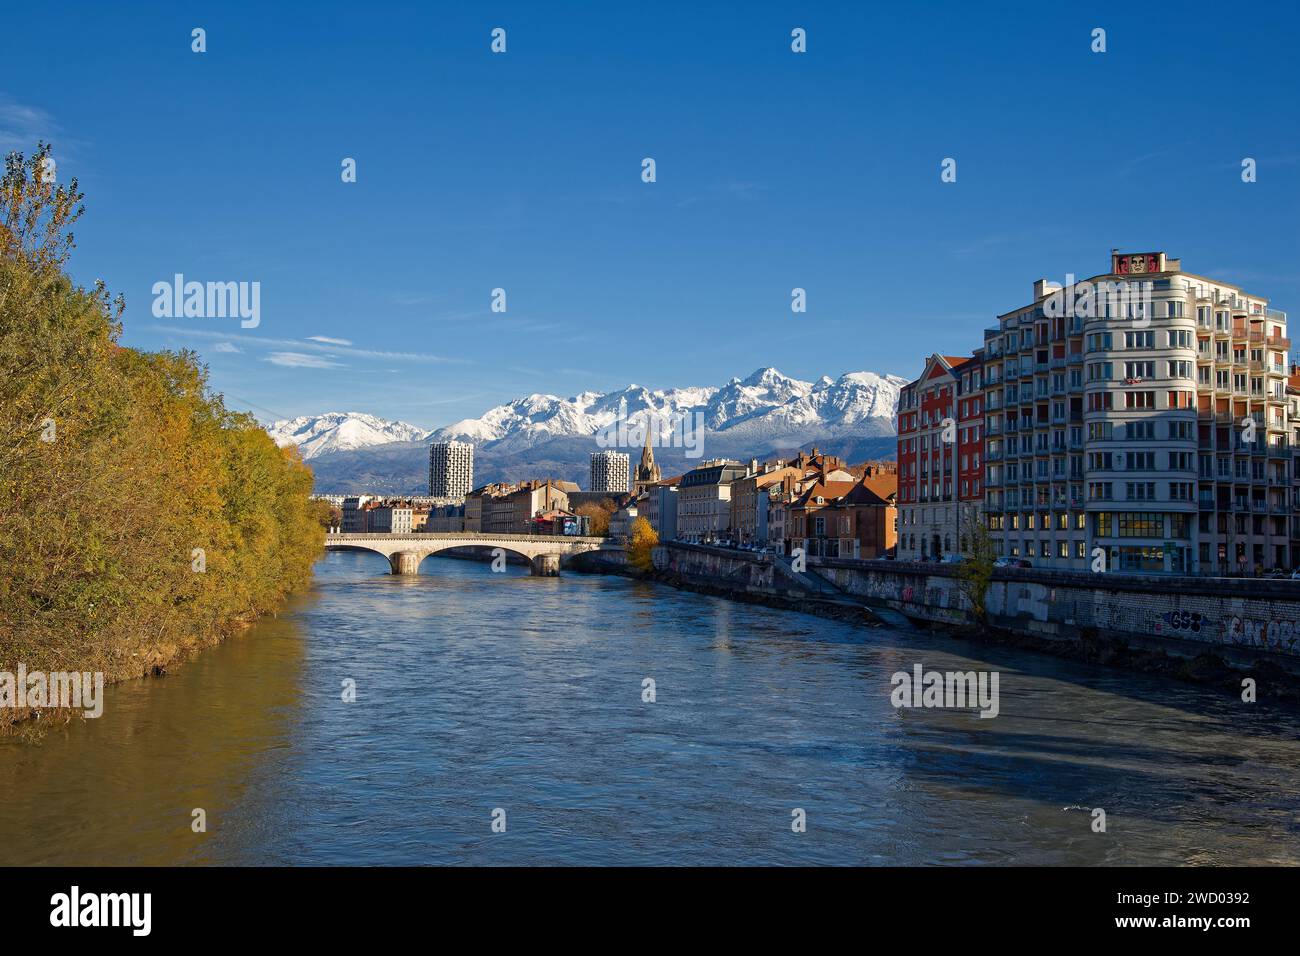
(978, 555)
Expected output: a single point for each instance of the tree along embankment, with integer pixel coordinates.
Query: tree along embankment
(139, 518)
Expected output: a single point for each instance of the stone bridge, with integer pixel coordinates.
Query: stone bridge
(405, 551)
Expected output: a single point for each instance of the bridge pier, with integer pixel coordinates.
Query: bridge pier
(405, 562)
(546, 566)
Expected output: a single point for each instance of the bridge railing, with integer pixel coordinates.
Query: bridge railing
(419, 536)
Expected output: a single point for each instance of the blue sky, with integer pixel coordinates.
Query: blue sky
(522, 171)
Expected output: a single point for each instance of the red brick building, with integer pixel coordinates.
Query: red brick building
(940, 455)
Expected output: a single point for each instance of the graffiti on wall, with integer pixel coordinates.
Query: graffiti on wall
(1261, 632)
(1182, 621)
(1240, 631)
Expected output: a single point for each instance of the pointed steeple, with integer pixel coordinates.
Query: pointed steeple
(647, 472)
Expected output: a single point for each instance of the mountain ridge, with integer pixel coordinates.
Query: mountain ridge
(765, 413)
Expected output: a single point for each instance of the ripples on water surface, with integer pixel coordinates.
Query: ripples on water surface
(478, 691)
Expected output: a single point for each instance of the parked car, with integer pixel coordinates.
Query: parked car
(1011, 563)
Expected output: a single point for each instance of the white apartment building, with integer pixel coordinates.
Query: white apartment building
(1139, 421)
(610, 471)
(451, 469)
(392, 519)
(657, 503)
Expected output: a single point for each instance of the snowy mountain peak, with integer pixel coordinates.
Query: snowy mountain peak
(341, 431)
(765, 376)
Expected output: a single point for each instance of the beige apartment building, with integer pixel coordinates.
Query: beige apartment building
(704, 501)
(1139, 421)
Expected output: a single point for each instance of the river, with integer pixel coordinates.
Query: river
(478, 692)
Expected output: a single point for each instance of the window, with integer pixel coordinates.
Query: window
(1140, 431)
(1180, 339)
(1140, 491)
(1140, 461)
(1140, 524)
(1134, 558)
(1139, 340)
(1139, 399)
(1100, 490)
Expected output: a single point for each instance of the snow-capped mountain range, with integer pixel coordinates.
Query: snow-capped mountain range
(852, 416)
(767, 406)
(341, 431)
(764, 408)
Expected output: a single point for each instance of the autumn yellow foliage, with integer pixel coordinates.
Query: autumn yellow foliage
(641, 545)
(139, 518)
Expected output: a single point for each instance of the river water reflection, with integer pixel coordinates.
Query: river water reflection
(478, 691)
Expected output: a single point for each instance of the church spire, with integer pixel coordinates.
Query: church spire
(647, 472)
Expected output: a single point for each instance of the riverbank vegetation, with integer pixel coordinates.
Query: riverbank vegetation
(640, 548)
(139, 518)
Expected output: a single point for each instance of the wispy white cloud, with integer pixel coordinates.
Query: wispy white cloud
(299, 360)
(22, 125)
(227, 347)
(335, 351)
(327, 340)
(411, 298)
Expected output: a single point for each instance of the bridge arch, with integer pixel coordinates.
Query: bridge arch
(405, 552)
